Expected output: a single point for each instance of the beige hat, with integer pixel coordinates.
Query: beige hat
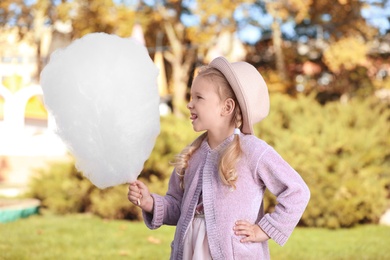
(250, 89)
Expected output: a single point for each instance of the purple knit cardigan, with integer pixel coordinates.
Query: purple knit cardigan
(261, 167)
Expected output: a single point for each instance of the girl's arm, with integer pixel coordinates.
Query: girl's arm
(156, 209)
(292, 195)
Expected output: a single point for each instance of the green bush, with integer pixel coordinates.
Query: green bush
(341, 150)
(61, 189)
(112, 203)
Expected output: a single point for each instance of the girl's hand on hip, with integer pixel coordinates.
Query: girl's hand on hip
(139, 195)
(250, 232)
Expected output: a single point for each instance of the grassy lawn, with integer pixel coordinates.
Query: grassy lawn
(82, 237)
(88, 237)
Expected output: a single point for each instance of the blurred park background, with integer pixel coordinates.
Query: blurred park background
(327, 65)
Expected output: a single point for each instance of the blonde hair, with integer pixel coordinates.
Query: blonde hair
(232, 154)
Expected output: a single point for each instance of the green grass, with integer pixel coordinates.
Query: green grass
(89, 237)
(82, 237)
(369, 242)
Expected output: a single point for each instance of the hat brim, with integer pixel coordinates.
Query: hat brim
(226, 68)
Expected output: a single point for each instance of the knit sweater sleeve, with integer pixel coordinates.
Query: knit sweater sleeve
(292, 195)
(166, 209)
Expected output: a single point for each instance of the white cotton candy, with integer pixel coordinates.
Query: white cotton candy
(102, 91)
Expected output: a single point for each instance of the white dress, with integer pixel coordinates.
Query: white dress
(196, 246)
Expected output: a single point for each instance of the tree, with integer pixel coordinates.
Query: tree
(188, 44)
(102, 16)
(282, 11)
(349, 36)
(181, 54)
(31, 20)
(340, 22)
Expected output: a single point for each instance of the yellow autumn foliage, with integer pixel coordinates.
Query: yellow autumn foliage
(345, 54)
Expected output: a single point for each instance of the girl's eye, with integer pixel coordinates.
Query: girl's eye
(195, 97)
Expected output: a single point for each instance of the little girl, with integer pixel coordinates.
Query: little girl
(215, 194)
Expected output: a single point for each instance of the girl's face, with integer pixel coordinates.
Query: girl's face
(205, 106)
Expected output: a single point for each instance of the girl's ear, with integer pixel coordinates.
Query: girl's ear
(228, 107)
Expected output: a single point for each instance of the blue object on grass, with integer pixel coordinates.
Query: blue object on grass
(13, 209)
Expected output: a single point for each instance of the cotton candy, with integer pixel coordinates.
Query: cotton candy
(102, 91)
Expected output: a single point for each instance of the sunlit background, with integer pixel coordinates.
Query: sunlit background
(326, 63)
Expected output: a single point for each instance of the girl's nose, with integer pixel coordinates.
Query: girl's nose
(189, 105)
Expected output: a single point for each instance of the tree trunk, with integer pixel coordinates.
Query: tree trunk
(180, 88)
(39, 19)
(181, 60)
(277, 40)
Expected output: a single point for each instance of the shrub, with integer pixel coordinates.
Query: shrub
(64, 190)
(112, 203)
(61, 189)
(341, 150)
